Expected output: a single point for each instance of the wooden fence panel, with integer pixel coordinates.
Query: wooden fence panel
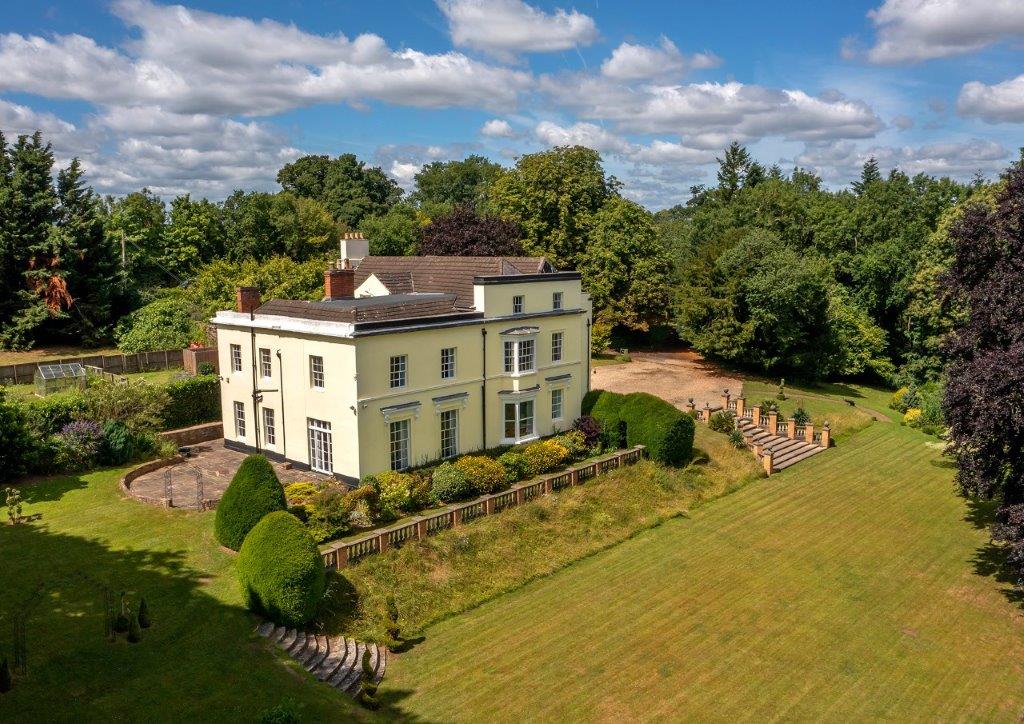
(25, 372)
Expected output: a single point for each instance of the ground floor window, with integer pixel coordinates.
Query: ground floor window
(449, 433)
(399, 434)
(556, 404)
(239, 419)
(269, 429)
(320, 447)
(519, 420)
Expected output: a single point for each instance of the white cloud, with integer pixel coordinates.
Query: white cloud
(914, 30)
(641, 62)
(16, 119)
(998, 103)
(580, 134)
(497, 128)
(192, 61)
(504, 28)
(404, 161)
(903, 122)
(842, 161)
(662, 153)
(709, 115)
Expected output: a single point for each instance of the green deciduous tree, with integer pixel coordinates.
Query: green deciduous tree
(443, 185)
(396, 233)
(348, 189)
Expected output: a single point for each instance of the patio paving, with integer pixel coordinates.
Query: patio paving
(213, 465)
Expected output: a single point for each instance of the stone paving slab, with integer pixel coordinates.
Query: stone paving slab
(216, 465)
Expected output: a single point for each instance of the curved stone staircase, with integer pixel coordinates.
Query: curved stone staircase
(334, 660)
(785, 451)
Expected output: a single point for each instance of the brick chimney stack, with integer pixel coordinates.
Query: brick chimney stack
(339, 281)
(248, 299)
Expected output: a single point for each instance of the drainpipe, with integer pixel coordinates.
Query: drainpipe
(255, 389)
(587, 352)
(284, 426)
(483, 388)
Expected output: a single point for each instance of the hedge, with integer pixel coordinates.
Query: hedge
(193, 400)
(666, 431)
(606, 409)
(280, 570)
(253, 493)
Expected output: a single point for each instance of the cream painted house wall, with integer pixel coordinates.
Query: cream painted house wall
(359, 402)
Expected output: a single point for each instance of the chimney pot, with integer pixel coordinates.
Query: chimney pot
(248, 299)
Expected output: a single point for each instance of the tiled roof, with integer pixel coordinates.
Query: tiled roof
(396, 282)
(448, 274)
(366, 309)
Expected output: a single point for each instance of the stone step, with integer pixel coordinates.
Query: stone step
(352, 676)
(379, 676)
(265, 629)
(333, 661)
(781, 446)
(353, 688)
(288, 640)
(788, 454)
(351, 652)
(803, 455)
(316, 654)
(278, 634)
(299, 646)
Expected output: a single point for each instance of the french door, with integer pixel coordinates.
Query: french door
(320, 446)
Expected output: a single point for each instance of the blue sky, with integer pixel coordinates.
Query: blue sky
(217, 94)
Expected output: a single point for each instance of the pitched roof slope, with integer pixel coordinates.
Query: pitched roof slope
(447, 274)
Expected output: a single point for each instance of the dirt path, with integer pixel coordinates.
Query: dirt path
(672, 376)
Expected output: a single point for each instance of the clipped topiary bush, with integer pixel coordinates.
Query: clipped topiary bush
(606, 410)
(517, 467)
(118, 446)
(254, 492)
(280, 570)
(666, 431)
(450, 484)
(484, 474)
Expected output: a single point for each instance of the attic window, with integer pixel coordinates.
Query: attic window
(518, 304)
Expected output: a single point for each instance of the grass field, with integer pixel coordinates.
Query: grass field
(199, 662)
(158, 377)
(855, 585)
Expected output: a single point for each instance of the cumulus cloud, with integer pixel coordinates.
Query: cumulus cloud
(192, 61)
(708, 114)
(504, 28)
(910, 31)
(642, 62)
(403, 161)
(580, 134)
(903, 122)
(660, 153)
(497, 128)
(998, 103)
(842, 161)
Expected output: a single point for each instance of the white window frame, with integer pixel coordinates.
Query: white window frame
(448, 363)
(558, 336)
(556, 300)
(269, 427)
(320, 429)
(449, 424)
(514, 353)
(236, 358)
(399, 457)
(518, 419)
(239, 408)
(398, 371)
(518, 303)
(266, 366)
(317, 378)
(557, 408)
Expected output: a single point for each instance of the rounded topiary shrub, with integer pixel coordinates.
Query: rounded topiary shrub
(450, 484)
(280, 570)
(254, 492)
(664, 429)
(606, 409)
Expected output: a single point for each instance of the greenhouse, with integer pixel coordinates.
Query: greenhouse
(56, 377)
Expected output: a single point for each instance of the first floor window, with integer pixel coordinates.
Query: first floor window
(399, 433)
(320, 446)
(265, 368)
(510, 356)
(236, 358)
(447, 363)
(449, 433)
(269, 429)
(520, 355)
(526, 356)
(518, 420)
(316, 372)
(556, 404)
(556, 346)
(239, 419)
(398, 365)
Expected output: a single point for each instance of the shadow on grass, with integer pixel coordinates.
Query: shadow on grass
(341, 604)
(980, 513)
(408, 644)
(389, 701)
(46, 490)
(990, 559)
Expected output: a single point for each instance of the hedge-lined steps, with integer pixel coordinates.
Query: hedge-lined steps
(785, 451)
(334, 660)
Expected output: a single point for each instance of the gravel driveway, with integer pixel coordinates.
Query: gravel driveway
(672, 376)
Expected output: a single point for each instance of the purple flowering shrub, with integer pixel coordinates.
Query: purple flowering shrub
(78, 445)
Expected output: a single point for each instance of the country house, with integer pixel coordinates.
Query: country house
(405, 360)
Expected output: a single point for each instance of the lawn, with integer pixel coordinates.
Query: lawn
(157, 377)
(825, 403)
(52, 352)
(200, 660)
(852, 586)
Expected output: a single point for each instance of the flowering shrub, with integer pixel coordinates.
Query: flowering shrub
(300, 493)
(574, 443)
(450, 484)
(395, 490)
(79, 445)
(898, 400)
(544, 455)
(484, 474)
(516, 466)
(912, 417)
